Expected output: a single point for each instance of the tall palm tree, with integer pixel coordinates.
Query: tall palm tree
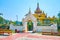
(59, 14)
(58, 23)
(1, 13)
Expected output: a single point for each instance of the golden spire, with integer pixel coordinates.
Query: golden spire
(38, 6)
(38, 11)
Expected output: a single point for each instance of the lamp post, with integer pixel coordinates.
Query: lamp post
(17, 19)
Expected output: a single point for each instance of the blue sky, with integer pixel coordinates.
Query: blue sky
(11, 8)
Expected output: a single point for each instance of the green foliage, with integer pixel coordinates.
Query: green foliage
(4, 26)
(59, 14)
(46, 21)
(14, 23)
(38, 23)
(17, 23)
(58, 22)
(1, 20)
(6, 21)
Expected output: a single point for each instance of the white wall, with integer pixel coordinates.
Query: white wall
(52, 28)
(12, 27)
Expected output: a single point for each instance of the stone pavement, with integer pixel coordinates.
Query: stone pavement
(29, 36)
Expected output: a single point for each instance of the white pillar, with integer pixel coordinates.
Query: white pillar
(34, 25)
(25, 26)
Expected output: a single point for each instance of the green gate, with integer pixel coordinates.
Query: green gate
(30, 25)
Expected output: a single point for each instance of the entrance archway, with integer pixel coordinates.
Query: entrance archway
(29, 25)
(33, 22)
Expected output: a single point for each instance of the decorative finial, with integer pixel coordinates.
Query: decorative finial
(29, 12)
(43, 11)
(38, 6)
(38, 11)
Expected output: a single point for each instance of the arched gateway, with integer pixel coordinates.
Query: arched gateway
(30, 25)
(29, 22)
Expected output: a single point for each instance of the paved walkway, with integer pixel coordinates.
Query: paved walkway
(29, 36)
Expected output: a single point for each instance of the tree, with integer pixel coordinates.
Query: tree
(1, 13)
(1, 20)
(14, 23)
(59, 14)
(58, 22)
(59, 17)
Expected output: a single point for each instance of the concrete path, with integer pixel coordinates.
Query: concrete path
(29, 36)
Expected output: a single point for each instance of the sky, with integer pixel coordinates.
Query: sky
(11, 8)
